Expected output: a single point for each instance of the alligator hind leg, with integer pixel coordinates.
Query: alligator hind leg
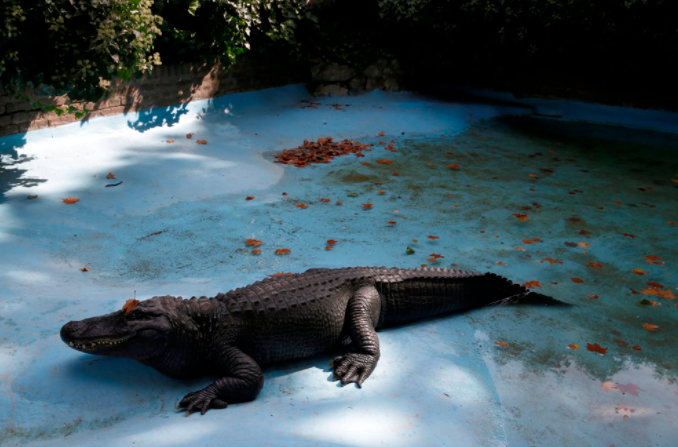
(362, 317)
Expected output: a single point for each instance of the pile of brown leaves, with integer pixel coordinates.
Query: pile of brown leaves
(322, 151)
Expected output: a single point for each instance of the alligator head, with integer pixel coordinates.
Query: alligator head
(141, 331)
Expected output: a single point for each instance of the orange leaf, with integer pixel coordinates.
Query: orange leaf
(303, 206)
(639, 271)
(110, 176)
(384, 161)
(500, 263)
(454, 166)
(593, 297)
(70, 200)
(608, 386)
(189, 135)
(654, 291)
(595, 347)
(129, 305)
(283, 251)
(595, 265)
(331, 242)
(501, 343)
(381, 193)
(432, 237)
(551, 261)
(329, 247)
(533, 175)
(520, 249)
(256, 251)
(655, 284)
(637, 348)
(201, 141)
(339, 203)
(583, 244)
(367, 206)
(85, 269)
(325, 200)
(249, 198)
(629, 235)
(252, 242)
(170, 141)
(381, 134)
(391, 222)
(366, 163)
(573, 346)
(653, 259)
(531, 241)
(532, 284)
(577, 280)
(275, 275)
(650, 327)
(521, 217)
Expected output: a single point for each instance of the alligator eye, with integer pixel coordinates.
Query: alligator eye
(136, 316)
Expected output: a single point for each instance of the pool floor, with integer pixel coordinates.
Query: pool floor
(582, 208)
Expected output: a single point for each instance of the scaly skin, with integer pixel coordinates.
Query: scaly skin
(232, 335)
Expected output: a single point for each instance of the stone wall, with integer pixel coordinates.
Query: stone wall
(167, 85)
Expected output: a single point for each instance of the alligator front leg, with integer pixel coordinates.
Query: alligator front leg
(362, 317)
(241, 382)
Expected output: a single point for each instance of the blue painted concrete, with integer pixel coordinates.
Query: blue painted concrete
(178, 222)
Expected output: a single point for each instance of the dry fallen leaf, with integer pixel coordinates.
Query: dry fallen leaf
(129, 305)
(201, 141)
(595, 347)
(639, 272)
(521, 217)
(551, 261)
(381, 134)
(653, 259)
(367, 206)
(384, 161)
(650, 327)
(430, 236)
(452, 166)
(283, 251)
(595, 265)
(501, 343)
(70, 200)
(85, 269)
(170, 141)
(303, 206)
(252, 242)
(276, 275)
(531, 241)
(256, 251)
(189, 135)
(381, 193)
(331, 242)
(532, 284)
(573, 346)
(249, 198)
(325, 200)
(110, 176)
(577, 280)
(608, 386)
(392, 222)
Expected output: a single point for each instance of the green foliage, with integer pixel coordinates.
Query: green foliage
(76, 46)
(79, 46)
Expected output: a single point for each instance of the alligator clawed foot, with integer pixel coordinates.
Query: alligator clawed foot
(353, 367)
(201, 400)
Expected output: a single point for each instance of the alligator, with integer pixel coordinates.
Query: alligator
(283, 317)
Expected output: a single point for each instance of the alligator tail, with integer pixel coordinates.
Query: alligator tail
(424, 293)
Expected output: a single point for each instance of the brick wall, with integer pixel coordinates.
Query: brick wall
(167, 85)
